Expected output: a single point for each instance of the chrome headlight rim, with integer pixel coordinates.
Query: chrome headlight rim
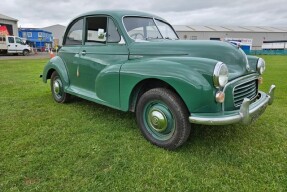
(220, 75)
(261, 66)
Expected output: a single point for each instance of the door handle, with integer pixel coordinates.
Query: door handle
(84, 52)
(16, 45)
(8, 45)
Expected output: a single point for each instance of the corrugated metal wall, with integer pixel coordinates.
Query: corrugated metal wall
(258, 37)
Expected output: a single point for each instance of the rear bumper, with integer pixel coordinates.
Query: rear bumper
(246, 114)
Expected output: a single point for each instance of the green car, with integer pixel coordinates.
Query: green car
(134, 61)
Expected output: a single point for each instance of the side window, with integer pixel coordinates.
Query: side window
(18, 40)
(113, 34)
(11, 40)
(75, 34)
(96, 30)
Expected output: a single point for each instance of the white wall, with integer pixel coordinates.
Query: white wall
(258, 37)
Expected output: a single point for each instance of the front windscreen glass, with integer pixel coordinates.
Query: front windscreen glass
(144, 28)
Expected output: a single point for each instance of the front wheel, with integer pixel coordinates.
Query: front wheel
(25, 52)
(57, 89)
(163, 118)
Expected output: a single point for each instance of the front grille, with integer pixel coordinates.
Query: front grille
(248, 89)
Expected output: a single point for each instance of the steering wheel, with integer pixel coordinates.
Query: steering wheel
(135, 36)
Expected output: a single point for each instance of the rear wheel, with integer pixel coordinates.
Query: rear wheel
(57, 89)
(163, 118)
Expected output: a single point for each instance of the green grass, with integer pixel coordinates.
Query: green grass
(82, 146)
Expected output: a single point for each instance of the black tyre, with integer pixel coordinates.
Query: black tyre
(57, 89)
(25, 52)
(163, 118)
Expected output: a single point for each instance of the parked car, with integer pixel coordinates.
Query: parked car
(134, 61)
(13, 45)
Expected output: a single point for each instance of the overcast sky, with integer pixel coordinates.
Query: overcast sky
(39, 13)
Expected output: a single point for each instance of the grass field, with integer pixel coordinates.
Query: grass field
(82, 146)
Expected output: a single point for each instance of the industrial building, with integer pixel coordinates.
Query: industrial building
(8, 24)
(37, 38)
(257, 38)
(58, 33)
(250, 37)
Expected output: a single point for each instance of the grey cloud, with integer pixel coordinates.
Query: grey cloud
(35, 13)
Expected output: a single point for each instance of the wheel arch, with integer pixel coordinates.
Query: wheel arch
(56, 64)
(189, 77)
(147, 84)
(49, 73)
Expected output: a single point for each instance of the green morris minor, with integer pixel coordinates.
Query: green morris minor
(134, 61)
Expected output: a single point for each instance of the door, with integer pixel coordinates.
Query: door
(19, 45)
(11, 45)
(70, 51)
(102, 50)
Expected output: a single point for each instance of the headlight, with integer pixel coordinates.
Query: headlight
(260, 66)
(220, 75)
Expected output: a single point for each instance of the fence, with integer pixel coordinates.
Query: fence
(266, 52)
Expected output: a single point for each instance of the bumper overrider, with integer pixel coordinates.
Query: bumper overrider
(246, 114)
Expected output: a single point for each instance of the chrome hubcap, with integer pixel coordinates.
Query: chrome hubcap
(158, 120)
(56, 87)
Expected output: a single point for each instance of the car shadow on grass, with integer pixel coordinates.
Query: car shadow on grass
(211, 137)
(201, 135)
(104, 110)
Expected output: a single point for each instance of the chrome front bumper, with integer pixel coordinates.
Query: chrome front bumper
(246, 114)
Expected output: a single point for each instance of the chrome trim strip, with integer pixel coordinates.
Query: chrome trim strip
(247, 113)
(248, 77)
(242, 84)
(255, 76)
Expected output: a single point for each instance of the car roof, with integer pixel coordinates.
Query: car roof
(119, 13)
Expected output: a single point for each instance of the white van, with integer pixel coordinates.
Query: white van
(14, 45)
